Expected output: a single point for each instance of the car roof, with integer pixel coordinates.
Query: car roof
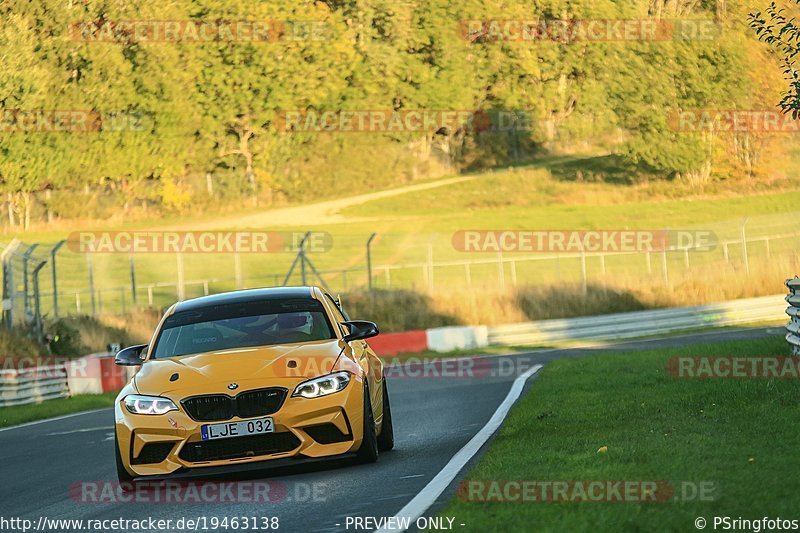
(243, 296)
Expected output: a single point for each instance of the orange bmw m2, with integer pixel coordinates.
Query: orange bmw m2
(234, 380)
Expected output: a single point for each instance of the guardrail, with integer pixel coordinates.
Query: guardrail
(640, 323)
(32, 385)
(793, 326)
(91, 374)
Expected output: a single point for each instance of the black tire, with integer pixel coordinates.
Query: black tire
(368, 451)
(122, 475)
(386, 438)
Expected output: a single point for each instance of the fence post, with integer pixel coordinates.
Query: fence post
(664, 266)
(647, 261)
(53, 253)
(369, 261)
(302, 264)
(584, 283)
(744, 248)
(91, 281)
(26, 307)
(8, 293)
(8, 282)
(37, 313)
(133, 278)
(468, 275)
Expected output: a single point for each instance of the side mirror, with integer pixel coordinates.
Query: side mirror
(131, 356)
(360, 329)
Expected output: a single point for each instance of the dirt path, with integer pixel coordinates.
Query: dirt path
(314, 214)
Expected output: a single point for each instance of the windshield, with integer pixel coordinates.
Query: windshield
(240, 325)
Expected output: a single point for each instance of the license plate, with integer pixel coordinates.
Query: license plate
(227, 430)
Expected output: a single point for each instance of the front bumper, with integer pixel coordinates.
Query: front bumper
(160, 445)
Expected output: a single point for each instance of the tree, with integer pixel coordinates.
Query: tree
(242, 87)
(782, 33)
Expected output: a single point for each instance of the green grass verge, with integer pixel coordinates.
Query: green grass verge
(20, 414)
(738, 434)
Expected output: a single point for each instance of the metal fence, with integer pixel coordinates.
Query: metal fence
(506, 268)
(27, 270)
(42, 281)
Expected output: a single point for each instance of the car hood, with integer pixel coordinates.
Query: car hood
(248, 367)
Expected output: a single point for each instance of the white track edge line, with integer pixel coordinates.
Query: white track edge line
(427, 496)
(55, 419)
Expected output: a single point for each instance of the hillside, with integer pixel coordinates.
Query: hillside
(113, 120)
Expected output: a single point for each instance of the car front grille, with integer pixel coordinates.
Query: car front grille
(246, 404)
(259, 402)
(238, 447)
(327, 434)
(153, 452)
(209, 408)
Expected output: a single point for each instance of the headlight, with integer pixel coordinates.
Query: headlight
(148, 405)
(323, 386)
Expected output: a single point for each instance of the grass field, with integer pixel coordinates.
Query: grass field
(20, 414)
(731, 436)
(416, 227)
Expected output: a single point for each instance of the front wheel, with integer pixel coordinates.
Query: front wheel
(368, 451)
(386, 438)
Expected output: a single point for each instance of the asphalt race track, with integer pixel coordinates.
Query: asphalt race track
(434, 418)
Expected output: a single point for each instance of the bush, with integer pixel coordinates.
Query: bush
(396, 310)
(66, 339)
